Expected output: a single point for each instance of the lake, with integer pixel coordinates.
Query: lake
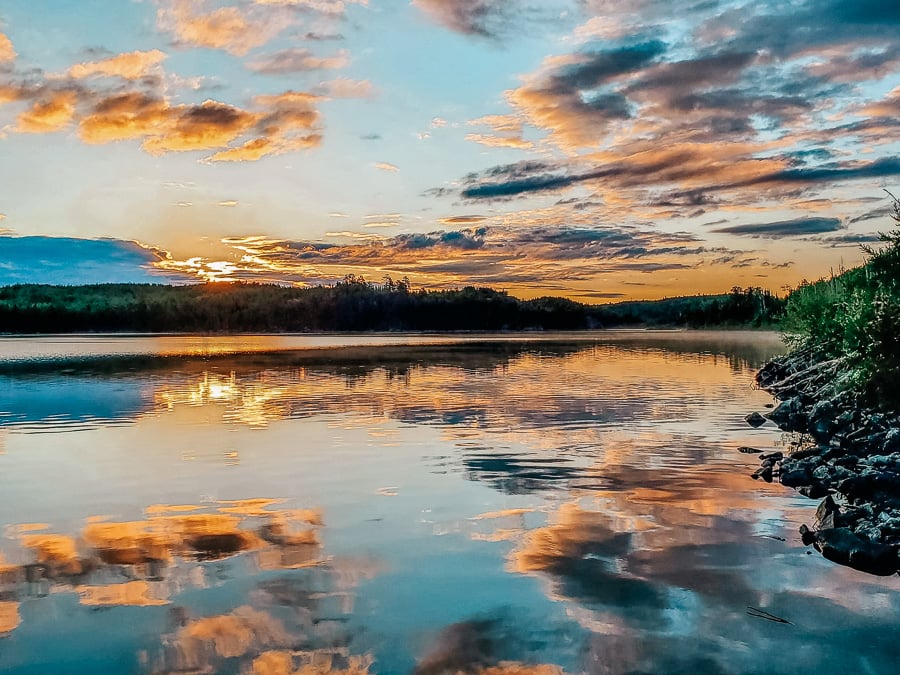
(532, 503)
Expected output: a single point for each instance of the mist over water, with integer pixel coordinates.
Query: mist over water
(478, 504)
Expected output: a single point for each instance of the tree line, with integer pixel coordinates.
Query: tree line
(352, 304)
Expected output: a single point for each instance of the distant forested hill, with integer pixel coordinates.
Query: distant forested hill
(351, 305)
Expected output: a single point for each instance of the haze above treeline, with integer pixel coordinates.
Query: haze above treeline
(354, 305)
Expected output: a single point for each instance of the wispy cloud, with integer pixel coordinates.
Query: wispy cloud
(343, 87)
(131, 65)
(485, 254)
(785, 228)
(298, 60)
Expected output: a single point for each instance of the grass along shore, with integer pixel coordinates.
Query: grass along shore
(839, 392)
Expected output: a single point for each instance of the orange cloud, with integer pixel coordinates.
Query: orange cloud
(9, 94)
(50, 114)
(499, 141)
(209, 125)
(126, 116)
(285, 123)
(131, 65)
(226, 28)
(7, 53)
(387, 166)
(887, 107)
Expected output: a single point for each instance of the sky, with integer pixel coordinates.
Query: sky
(595, 149)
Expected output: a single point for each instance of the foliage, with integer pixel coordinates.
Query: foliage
(353, 304)
(855, 315)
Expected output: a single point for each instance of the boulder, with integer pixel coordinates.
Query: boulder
(843, 546)
(754, 419)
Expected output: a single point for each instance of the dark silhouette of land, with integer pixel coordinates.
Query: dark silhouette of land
(353, 304)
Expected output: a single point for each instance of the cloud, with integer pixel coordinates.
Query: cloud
(755, 102)
(507, 132)
(343, 87)
(849, 239)
(280, 123)
(7, 53)
(131, 65)
(298, 60)
(484, 18)
(484, 254)
(230, 29)
(334, 7)
(785, 228)
(209, 125)
(386, 166)
(48, 114)
(462, 220)
(66, 260)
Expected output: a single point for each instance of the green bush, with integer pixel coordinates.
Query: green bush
(855, 316)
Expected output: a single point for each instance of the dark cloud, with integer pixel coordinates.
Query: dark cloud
(785, 228)
(488, 19)
(322, 37)
(852, 238)
(592, 69)
(493, 184)
(882, 212)
(599, 295)
(484, 18)
(65, 260)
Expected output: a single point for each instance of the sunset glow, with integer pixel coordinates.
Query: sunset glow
(585, 148)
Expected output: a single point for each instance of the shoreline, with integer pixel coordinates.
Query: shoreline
(844, 454)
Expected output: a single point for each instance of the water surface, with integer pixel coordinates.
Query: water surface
(446, 504)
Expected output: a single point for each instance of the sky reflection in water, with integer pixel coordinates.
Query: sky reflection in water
(493, 507)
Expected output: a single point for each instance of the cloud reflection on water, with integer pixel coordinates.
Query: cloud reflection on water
(603, 476)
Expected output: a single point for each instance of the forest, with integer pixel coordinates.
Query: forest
(353, 304)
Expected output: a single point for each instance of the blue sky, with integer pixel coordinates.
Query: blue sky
(586, 148)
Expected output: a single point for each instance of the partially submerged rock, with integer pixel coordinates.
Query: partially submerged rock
(848, 455)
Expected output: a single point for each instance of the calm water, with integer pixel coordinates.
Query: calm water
(500, 505)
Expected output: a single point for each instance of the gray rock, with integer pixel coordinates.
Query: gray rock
(754, 419)
(841, 545)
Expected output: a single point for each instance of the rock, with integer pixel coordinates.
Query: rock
(827, 506)
(747, 450)
(814, 491)
(754, 419)
(891, 442)
(841, 545)
(868, 486)
(807, 535)
(764, 472)
(776, 456)
(815, 451)
(788, 413)
(795, 477)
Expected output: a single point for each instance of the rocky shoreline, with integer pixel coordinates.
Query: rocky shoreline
(845, 454)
